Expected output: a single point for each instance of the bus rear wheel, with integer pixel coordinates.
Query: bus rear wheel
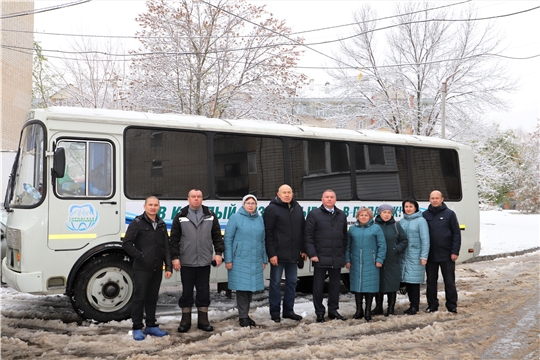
(103, 289)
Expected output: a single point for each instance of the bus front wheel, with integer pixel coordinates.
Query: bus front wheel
(103, 288)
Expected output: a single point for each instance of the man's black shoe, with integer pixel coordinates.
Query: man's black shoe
(275, 318)
(244, 322)
(431, 310)
(292, 316)
(453, 310)
(411, 311)
(320, 318)
(335, 315)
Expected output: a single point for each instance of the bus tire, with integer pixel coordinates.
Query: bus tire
(103, 288)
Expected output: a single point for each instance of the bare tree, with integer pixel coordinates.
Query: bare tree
(225, 59)
(404, 66)
(93, 76)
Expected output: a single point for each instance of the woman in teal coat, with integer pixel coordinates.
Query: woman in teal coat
(413, 261)
(366, 251)
(245, 255)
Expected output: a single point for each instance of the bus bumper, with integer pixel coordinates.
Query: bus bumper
(28, 283)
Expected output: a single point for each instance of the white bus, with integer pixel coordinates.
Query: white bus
(81, 175)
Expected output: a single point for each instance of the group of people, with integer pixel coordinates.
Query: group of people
(381, 254)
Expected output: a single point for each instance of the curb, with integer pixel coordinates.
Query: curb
(497, 256)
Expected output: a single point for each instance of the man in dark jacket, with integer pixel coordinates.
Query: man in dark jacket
(195, 236)
(284, 232)
(445, 242)
(147, 242)
(325, 242)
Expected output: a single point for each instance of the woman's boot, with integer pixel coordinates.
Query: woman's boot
(369, 301)
(378, 304)
(391, 303)
(358, 297)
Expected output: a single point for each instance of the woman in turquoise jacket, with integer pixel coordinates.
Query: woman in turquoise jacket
(366, 251)
(413, 261)
(245, 255)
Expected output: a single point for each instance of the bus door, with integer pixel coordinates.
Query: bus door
(85, 204)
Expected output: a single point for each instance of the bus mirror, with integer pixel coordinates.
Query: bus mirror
(59, 162)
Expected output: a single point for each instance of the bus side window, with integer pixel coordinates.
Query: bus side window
(99, 175)
(82, 157)
(73, 182)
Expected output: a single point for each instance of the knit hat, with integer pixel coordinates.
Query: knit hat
(385, 207)
(248, 196)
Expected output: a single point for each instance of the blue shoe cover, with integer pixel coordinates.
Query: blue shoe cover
(154, 331)
(138, 335)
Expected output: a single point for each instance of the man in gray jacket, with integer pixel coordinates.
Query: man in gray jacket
(195, 236)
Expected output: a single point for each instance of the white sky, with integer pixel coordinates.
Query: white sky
(116, 17)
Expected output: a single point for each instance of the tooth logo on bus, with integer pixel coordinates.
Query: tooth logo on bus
(81, 217)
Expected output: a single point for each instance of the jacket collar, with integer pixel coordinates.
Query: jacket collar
(437, 209)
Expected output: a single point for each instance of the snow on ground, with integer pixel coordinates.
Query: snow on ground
(508, 231)
(497, 319)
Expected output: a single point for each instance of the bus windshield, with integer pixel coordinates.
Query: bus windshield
(26, 179)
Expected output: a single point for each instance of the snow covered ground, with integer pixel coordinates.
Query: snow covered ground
(508, 231)
(497, 319)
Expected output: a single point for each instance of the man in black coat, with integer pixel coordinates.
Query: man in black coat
(147, 242)
(284, 233)
(445, 242)
(325, 242)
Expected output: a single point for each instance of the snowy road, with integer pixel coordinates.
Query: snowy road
(497, 319)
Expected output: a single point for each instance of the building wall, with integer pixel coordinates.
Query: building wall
(16, 38)
(16, 70)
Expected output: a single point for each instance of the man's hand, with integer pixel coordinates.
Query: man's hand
(274, 260)
(168, 274)
(454, 257)
(218, 259)
(176, 264)
(315, 259)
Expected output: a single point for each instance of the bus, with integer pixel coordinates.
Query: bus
(81, 175)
